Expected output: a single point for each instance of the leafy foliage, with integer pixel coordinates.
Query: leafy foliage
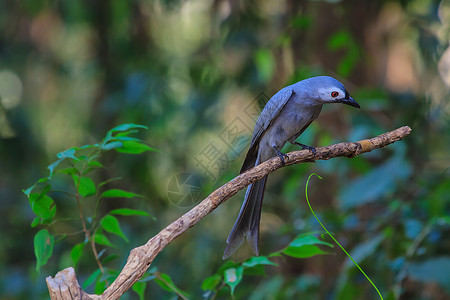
(79, 164)
(69, 71)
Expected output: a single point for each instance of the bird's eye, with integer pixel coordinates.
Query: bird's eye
(334, 94)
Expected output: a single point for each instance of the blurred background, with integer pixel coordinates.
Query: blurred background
(197, 73)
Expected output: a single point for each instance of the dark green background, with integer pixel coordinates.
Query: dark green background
(193, 71)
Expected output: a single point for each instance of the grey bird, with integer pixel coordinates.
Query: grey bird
(284, 118)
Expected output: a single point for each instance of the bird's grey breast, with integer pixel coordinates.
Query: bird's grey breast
(296, 116)
(291, 121)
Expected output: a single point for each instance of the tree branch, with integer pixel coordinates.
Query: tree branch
(65, 285)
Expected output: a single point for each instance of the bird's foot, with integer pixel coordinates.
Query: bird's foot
(310, 148)
(281, 155)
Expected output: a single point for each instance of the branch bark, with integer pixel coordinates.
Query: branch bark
(65, 285)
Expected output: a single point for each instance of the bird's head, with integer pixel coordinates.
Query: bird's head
(329, 90)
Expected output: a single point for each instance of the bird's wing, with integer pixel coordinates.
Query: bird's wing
(270, 112)
(268, 115)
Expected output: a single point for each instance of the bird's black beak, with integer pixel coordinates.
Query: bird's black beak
(349, 101)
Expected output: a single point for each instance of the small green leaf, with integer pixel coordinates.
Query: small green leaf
(86, 187)
(306, 239)
(108, 181)
(43, 247)
(211, 282)
(303, 251)
(31, 188)
(258, 260)
(111, 225)
(92, 278)
(86, 147)
(126, 127)
(233, 277)
(129, 212)
(68, 171)
(101, 239)
(139, 288)
(125, 133)
(76, 253)
(127, 138)
(133, 147)
(69, 153)
(166, 283)
(228, 265)
(54, 165)
(112, 145)
(95, 164)
(28, 190)
(255, 271)
(100, 286)
(43, 206)
(116, 193)
(36, 222)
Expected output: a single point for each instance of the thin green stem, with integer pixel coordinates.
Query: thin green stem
(307, 200)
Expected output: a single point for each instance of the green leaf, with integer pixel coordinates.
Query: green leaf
(92, 278)
(129, 212)
(166, 283)
(306, 239)
(233, 277)
(127, 138)
(112, 145)
(95, 164)
(86, 187)
(43, 247)
(211, 282)
(255, 271)
(86, 147)
(258, 260)
(133, 147)
(54, 165)
(139, 288)
(31, 188)
(69, 153)
(111, 225)
(113, 193)
(303, 251)
(36, 222)
(76, 253)
(126, 127)
(43, 206)
(228, 265)
(100, 286)
(101, 239)
(108, 181)
(124, 134)
(68, 171)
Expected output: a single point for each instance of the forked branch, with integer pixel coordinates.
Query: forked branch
(65, 285)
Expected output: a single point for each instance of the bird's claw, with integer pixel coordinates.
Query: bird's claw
(310, 148)
(281, 155)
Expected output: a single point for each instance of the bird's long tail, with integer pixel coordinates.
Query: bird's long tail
(247, 223)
